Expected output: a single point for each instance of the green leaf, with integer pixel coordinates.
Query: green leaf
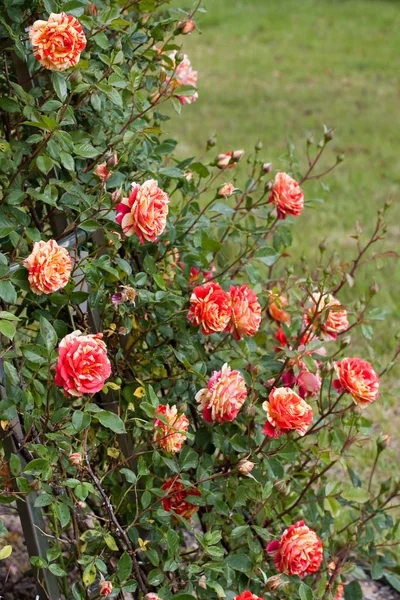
(171, 172)
(305, 592)
(124, 567)
(111, 421)
(62, 512)
(86, 150)
(44, 500)
(7, 292)
(110, 542)
(57, 570)
(67, 161)
(188, 458)
(356, 494)
(44, 163)
(89, 575)
(155, 577)
(48, 334)
(8, 329)
(267, 255)
(9, 105)
(9, 316)
(37, 466)
(393, 579)
(239, 562)
(80, 420)
(59, 85)
(129, 475)
(353, 591)
(15, 465)
(159, 281)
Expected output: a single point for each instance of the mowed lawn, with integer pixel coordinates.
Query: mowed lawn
(274, 70)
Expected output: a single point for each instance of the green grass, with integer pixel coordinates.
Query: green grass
(277, 69)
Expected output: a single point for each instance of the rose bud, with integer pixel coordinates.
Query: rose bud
(203, 582)
(259, 145)
(245, 466)
(117, 196)
(383, 442)
(90, 10)
(188, 176)
(267, 167)
(223, 160)
(105, 588)
(226, 190)
(211, 142)
(273, 583)
(75, 458)
(237, 155)
(185, 27)
(102, 173)
(112, 160)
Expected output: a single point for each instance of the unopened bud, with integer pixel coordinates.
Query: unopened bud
(75, 458)
(340, 158)
(237, 155)
(35, 485)
(268, 186)
(388, 203)
(75, 77)
(259, 146)
(281, 486)
(211, 142)
(179, 56)
(117, 196)
(383, 442)
(90, 10)
(328, 135)
(322, 246)
(267, 167)
(185, 27)
(145, 18)
(203, 582)
(273, 583)
(245, 466)
(105, 588)
(345, 341)
(250, 410)
(374, 289)
(112, 160)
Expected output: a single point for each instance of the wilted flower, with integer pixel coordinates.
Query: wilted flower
(128, 294)
(75, 458)
(358, 378)
(246, 312)
(170, 437)
(83, 365)
(226, 190)
(245, 466)
(176, 497)
(58, 42)
(223, 397)
(49, 267)
(210, 307)
(286, 411)
(287, 195)
(144, 212)
(299, 551)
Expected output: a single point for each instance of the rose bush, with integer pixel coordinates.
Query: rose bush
(177, 397)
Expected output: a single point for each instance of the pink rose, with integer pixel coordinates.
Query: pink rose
(49, 267)
(358, 378)
(223, 397)
(246, 312)
(83, 365)
(144, 212)
(226, 190)
(185, 75)
(287, 195)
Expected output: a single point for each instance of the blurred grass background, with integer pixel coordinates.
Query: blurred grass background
(274, 70)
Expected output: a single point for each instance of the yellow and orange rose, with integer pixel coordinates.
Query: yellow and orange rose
(49, 267)
(298, 552)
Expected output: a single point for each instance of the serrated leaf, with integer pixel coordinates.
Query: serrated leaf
(356, 494)
(59, 85)
(111, 421)
(48, 334)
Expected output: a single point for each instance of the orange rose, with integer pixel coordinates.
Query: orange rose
(330, 319)
(286, 411)
(83, 364)
(144, 212)
(210, 307)
(170, 437)
(49, 267)
(287, 195)
(246, 312)
(175, 498)
(358, 378)
(275, 308)
(299, 551)
(58, 42)
(223, 397)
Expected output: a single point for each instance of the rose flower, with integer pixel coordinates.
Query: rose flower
(331, 320)
(144, 212)
(358, 378)
(49, 267)
(175, 498)
(287, 195)
(170, 437)
(286, 411)
(210, 307)
(58, 42)
(223, 397)
(246, 312)
(83, 365)
(299, 551)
